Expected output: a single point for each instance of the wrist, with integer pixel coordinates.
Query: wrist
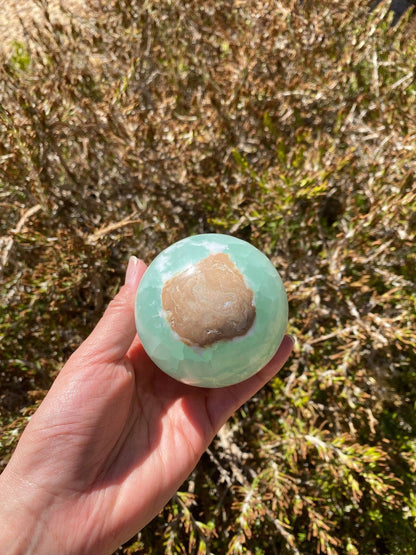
(22, 519)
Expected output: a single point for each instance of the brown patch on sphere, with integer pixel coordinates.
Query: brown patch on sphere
(209, 302)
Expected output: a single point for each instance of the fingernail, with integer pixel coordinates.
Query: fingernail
(292, 338)
(131, 270)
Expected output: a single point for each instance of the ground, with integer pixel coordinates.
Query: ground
(13, 12)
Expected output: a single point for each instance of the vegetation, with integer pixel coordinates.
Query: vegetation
(291, 125)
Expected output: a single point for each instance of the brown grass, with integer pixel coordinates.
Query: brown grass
(290, 126)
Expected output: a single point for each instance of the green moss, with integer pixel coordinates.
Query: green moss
(20, 57)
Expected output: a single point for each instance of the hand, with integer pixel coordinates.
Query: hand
(112, 441)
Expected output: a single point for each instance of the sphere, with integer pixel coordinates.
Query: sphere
(211, 310)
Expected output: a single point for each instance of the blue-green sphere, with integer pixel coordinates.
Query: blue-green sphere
(211, 310)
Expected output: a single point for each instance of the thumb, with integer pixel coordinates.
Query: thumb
(114, 333)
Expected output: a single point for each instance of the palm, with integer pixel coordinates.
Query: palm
(115, 437)
(161, 438)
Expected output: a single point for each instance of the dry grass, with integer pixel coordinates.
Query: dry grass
(17, 17)
(290, 126)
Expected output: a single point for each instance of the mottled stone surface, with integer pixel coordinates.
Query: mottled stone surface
(209, 302)
(222, 362)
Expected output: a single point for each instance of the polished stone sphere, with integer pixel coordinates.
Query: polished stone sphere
(211, 310)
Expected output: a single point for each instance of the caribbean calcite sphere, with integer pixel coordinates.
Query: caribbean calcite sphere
(211, 310)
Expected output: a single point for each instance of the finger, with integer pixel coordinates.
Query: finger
(114, 333)
(224, 401)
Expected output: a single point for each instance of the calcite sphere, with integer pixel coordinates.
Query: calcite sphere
(211, 310)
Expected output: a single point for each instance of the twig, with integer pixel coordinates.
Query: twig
(10, 240)
(129, 220)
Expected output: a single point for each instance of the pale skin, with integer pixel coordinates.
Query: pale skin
(112, 441)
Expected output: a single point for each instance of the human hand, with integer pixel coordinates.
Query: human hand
(112, 441)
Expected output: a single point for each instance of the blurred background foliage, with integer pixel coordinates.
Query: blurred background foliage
(129, 125)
